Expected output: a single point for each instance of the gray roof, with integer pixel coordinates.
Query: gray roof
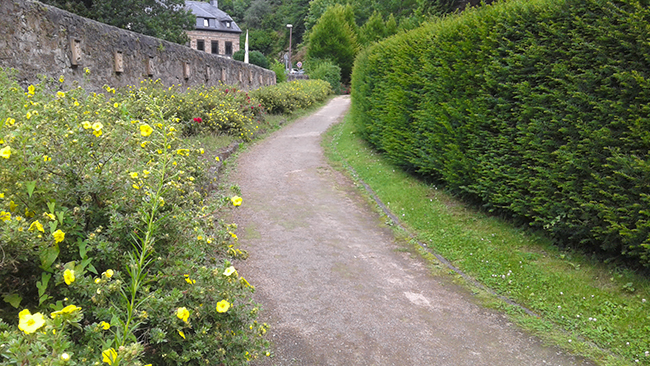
(207, 11)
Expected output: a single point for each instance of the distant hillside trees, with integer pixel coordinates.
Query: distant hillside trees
(166, 19)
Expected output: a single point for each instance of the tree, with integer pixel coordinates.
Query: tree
(256, 12)
(166, 19)
(255, 58)
(374, 30)
(334, 38)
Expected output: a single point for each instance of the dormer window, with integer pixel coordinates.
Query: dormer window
(227, 24)
(206, 23)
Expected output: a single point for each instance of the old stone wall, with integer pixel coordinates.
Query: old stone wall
(37, 39)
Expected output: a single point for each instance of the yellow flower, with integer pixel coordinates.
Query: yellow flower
(46, 158)
(236, 201)
(30, 90)
(68, 276)
(109, 273)
(51, 216)
(5, 152)
(12, 206)
(10, 121)
(60, 94)
(2, 195)
(109, 356)
(200, 237)
(28, 115)
(180, 332)
(5, 216)
(144, 144)
(105, 325)
(98, 281)
(58, 236)
(145, 130)
(61, 79)
(36, 226)
(202, 151)
(97, 126)
(223, 306)
(216, 158)
(86, 125)
(183, 314)
(135, 186)
(65, 357)
(230, 270)
(29, 323)
(116, 105)
(133, 175)
(66, 310)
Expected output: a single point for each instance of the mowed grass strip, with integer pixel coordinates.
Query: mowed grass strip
(589, 308)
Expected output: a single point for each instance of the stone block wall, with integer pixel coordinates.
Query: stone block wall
(209, 37)
(37, 39)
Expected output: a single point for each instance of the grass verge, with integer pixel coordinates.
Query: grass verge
(588, 308)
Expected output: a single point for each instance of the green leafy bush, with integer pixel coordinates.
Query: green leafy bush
(328, 71)
(536, 109)
(254, 57)
(278, 69)
(288, 97)
(105, 233)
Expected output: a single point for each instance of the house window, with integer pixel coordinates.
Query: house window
(205, 23)
(227, 24)
(200, 45)
(229, 48)
(215, 47)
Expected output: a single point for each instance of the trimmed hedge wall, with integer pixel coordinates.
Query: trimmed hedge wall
(538, 109)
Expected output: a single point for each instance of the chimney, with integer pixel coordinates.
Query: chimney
(214, 3)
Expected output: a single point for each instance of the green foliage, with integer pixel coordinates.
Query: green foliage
(261, 40)
(256, 12)
(254, 57)
(334, 38)
(286, 98)
(547, 125)
(105, 222)
(325, 70)
(373, 30)
(278, 69)
(163, 19)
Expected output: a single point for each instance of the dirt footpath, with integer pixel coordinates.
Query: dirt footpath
(332, 285)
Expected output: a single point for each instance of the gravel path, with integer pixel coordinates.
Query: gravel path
(332, 285)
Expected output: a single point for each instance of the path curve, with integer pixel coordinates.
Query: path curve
(330, 281)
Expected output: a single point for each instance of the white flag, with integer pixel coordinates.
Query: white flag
(246, 48)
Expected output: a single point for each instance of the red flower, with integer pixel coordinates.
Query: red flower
(226, 90)
(198, 120)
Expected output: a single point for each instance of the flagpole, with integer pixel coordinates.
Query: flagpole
(246, 48)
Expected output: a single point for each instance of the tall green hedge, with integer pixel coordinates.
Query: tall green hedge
(538, 109)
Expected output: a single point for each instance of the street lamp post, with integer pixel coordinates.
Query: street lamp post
(290, 26)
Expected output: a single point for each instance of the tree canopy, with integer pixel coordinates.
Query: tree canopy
(334, 38)
(166, 19)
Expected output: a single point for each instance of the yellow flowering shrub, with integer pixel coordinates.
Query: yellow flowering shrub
(288, 97)
(100, 211)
